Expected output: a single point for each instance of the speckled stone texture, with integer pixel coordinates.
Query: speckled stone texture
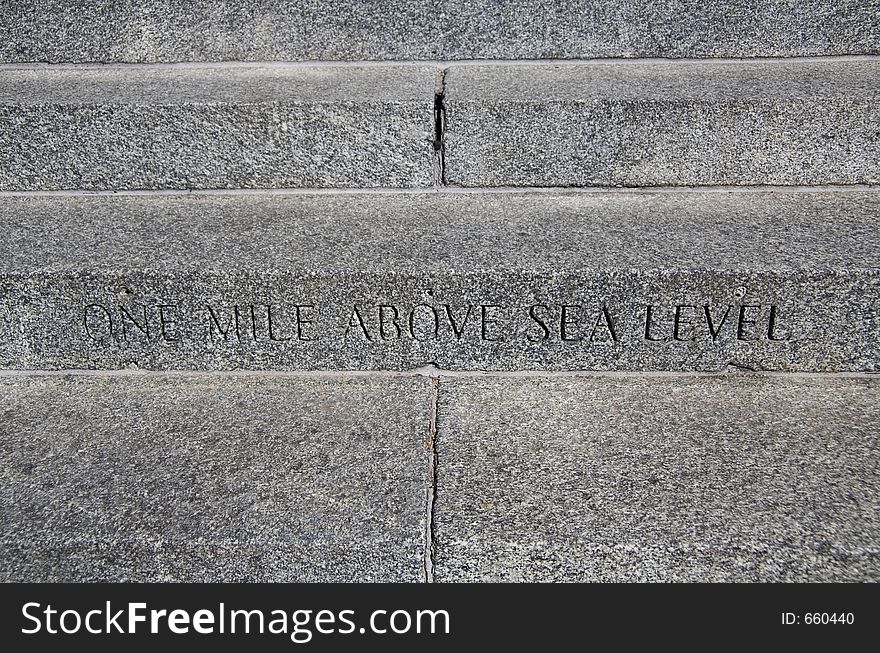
(217, 127)
(663, 124)
(213, 478)
(278, 30)
(734, 478)
(609, 281)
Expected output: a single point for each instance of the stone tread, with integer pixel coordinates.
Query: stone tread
(442, 233)
(645, 123)
(232, 477)
(676, 478)
(213, 478)
(277, 30)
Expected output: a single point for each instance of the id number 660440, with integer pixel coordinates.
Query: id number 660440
(818, 618)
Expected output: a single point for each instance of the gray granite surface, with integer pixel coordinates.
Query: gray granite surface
(217, 127)
(212, 478)
(253, 455)
(278, 30)
(505, 281)
(664, 478)
(663, 124)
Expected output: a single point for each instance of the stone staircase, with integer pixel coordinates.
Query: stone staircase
(440, 290)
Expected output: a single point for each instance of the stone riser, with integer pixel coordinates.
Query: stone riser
(627, 320)
(185, 128)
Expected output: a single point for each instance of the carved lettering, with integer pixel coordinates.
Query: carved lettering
(604, 320)
(94, 315)
(253, 321)
(545, 330)
(150, 322)
(649, 320)
(357, 321)
(127, 317)
(234, 324)
(214, 323)
(489, 322)
(568, 323)
(395, 316)
(713, 330)
(681, 320)
(457, 329)
(166, 311)
(574, 324)
(434, 332)
(772, 324)
(302, 321)
(272, 326)
(686, 327)
(744, 322)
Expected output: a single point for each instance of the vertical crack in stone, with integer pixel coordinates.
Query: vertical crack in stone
(440, 130)
(431, 489)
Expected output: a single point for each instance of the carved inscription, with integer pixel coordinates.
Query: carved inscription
(424, 322)
(131, 322)
(689, 323)
(571, 323)
(536, 324)
(254, 323)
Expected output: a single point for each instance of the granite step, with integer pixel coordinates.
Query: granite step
(217, 127)
(612, 280)
(279, 30)
(213, 478)
(640, 123)
(383, 477)
(675, 478)
(660, 123)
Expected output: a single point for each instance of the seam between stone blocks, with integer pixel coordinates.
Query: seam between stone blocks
(452, 190)
(440, 130)
(433, 372)
(439, 63)
(431, 487)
